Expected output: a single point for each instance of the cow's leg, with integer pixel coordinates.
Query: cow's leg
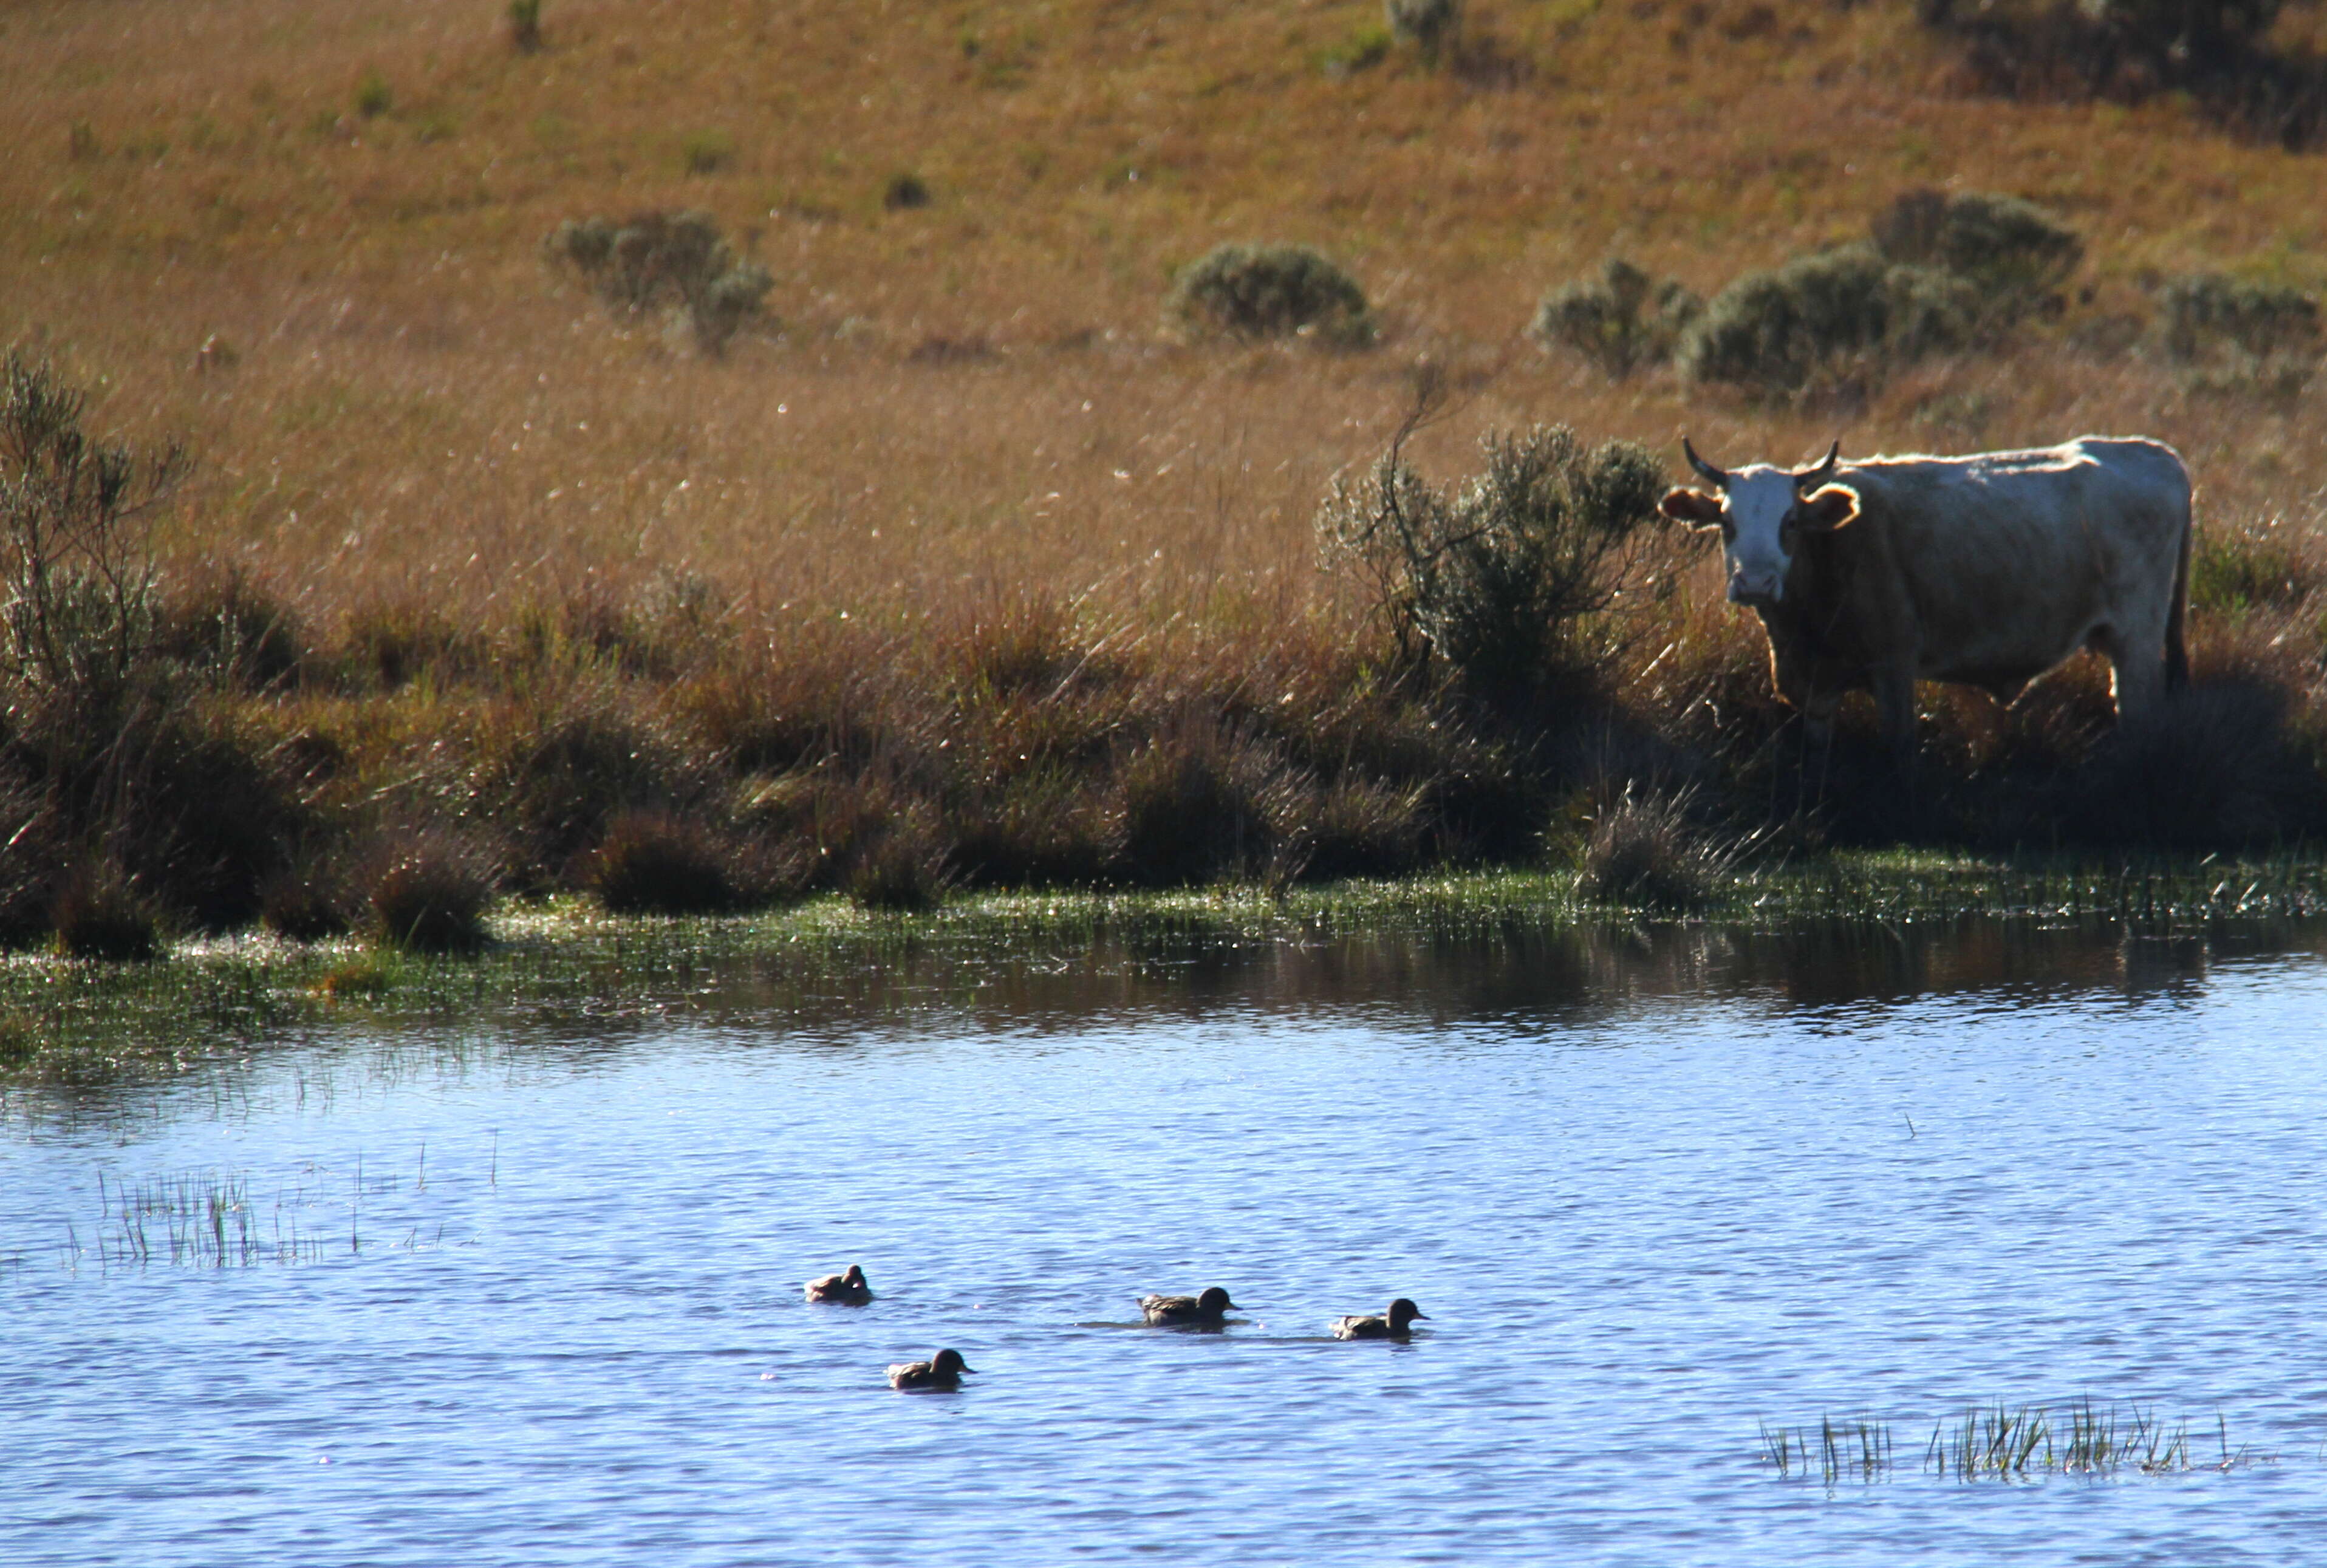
(1894, 698)
(2137, 671)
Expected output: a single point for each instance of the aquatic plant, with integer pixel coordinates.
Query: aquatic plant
(2002, 1442)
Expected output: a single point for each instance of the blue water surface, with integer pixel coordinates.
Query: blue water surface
(531, 1295)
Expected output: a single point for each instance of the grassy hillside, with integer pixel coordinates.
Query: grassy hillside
(412, 386)
(966, 426)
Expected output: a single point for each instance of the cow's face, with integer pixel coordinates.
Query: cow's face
(1761, 514)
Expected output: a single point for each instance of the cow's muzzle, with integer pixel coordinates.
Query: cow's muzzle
(1757, 594)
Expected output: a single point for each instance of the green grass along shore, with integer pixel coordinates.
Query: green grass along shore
(81, 1022)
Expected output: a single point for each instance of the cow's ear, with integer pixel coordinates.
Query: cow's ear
(1834, 506)
(1695, 507)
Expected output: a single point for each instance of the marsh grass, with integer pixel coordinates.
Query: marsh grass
(2003, 1442)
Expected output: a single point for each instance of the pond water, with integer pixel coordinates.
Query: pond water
(527, 1291)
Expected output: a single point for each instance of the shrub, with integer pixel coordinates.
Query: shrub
(2208, 315)
(1272, 291)
(525, 25)
(1503, 577)
(373, 97)
(98, 915)
(903, 193)
(659, 259)
(428, 894)
(654, 864)
(1622, 320)
(75, 562)
(2012, 250)
(1819, 317)
(1644, 851)
(1429, 24)
(2194, 27)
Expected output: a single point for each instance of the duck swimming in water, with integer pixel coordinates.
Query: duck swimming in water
(1395, 1326)
(940, 1371)
(849, 1290)
(1207, 1311)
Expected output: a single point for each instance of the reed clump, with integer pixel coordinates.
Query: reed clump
(429, 893)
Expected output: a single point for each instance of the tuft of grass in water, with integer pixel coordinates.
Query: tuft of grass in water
(1855, 1448)
(2002, 1442)
(369, 976)
(1644, 851)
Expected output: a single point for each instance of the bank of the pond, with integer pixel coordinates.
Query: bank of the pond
(66, 1021)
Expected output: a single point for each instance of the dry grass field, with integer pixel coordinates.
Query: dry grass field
(964, 447)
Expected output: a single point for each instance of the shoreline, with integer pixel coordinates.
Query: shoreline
(66, 1023)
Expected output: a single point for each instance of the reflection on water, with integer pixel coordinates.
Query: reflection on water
(523, 1285)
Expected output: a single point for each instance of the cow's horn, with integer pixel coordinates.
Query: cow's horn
(1811, 479)
(1712, 474)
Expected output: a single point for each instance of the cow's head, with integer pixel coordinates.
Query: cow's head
(1762, 513)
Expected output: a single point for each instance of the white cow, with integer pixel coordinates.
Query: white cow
(1988, 570)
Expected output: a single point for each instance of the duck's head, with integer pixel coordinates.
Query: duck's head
(950, 1361)
(855, 1277)
(1403, 1311)
(1214, 1300)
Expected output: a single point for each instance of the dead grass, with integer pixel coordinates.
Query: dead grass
(478, 554)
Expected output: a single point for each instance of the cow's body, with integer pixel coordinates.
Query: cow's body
(1986, 570)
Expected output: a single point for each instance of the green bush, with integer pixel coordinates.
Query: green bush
(905, 192)
(76, 520)
(2013, 251)
(1272, 291)
(525, 25)
(1818, 318)
(2203, 314)
(1506, 578)
(1431, 25)
(1620, 320)
(674, 260)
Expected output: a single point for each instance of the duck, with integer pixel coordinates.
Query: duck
(1209, 1309)
(849, 1290)
(940, 1371)
(1394, 1326)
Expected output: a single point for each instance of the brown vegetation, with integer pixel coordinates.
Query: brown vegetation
(957, 570)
